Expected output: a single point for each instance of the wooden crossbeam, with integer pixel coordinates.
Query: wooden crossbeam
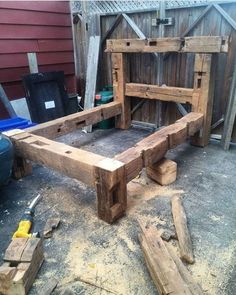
(73, 162)
(195, 44)
(165, 93)
(154, 147)
(107, 175)
(67, 124)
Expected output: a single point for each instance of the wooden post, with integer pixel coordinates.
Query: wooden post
(21, 168)
(230, 114)
(110, 181)
(119, 73)
(91, 76)
(204, 70)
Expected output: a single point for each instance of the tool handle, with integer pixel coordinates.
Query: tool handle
(23, 229)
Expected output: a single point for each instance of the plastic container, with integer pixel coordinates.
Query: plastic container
(15, 123)
(103, 97)
(6, 159)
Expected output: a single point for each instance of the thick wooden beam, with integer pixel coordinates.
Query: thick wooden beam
(119, 73)
(160, 264)
(107, 175)
(73, 162)
(180, 222)
(67, 124)
(111, 188)
(185, 274)
(154, 147)
(91, 74)
(195, 44)
(204, 73)
(165, 93)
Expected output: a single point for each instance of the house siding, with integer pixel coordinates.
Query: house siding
(43, 27)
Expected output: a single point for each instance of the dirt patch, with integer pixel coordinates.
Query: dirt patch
(213, 276)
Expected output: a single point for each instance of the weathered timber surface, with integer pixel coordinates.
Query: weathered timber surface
(67, 124)
(163, 172)
(161, 266)
(23, 259)
(119, 74)
(111, 188)
(154, 147)
(185, 274)
(165, 93)
(195, 44)
(74, 162)
(180, 222)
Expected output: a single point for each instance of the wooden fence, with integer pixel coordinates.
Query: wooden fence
(178, 68)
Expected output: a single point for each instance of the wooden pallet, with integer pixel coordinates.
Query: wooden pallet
(110, 176)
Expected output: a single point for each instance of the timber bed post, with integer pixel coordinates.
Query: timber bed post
(110, 182)
(204, 73)
(119, 73)
(21, 168)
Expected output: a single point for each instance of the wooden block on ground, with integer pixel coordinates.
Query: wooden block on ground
(15, 250)
(180, 222)
(25, 257)
(163, 172)
(7, 274)
(23, 250)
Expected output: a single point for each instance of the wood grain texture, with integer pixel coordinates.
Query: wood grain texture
(119, 73)
(185, 274)
(91, 75)
(165, 93)
(204, 73)
(163, 172)
(67, 124)
(110, 175)
(180, 222)
(200, 44)
(75, 163)
(161, 266)
(154, 147)
(178, 69)
(24, 258)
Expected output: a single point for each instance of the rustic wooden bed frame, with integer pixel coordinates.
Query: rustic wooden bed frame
(110, 176)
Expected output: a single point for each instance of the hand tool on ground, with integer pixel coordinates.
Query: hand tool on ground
(26, 222)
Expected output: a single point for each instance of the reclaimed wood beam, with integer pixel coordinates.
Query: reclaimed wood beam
(67, 124)
(181, 227)
(165, 93)
(195, 44)
(154, 147)
(107, 175)
(73, 162)
(120, 70)
(160, 264)
(204, 80)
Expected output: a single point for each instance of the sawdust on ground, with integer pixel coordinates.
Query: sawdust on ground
(118, 266)
(115, 267)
